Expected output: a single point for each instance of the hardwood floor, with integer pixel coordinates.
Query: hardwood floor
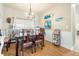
(48, 50)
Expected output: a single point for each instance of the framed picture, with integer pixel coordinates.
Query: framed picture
(8, 20)
(47, 24)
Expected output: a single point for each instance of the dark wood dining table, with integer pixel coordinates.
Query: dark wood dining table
(20, 40)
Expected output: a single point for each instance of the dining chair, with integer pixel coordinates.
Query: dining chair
(42, 30)
(7, 42)
(28, 42)
(39, 40)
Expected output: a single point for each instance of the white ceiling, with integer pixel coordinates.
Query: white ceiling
(37, 8)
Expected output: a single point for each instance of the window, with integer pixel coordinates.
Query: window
(23, 24)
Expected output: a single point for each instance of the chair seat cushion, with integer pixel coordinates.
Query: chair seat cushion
(6, 40)
(27, 44)
(38, 41)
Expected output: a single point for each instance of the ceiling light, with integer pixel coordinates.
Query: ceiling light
(30, 14)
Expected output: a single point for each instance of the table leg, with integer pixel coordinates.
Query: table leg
(17, 47)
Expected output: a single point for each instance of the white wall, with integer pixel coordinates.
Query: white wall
(10, 12)
(1, 15)
(1, 9)
(48, 35)
(66, 39)
(14, 13)
(61, 10)
(76, 48)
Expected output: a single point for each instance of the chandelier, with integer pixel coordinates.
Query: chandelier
(30, 15)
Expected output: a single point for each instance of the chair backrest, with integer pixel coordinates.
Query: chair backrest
(42, 30)
(40, 36)
(28, 37)
(6, 39)
(12, 35)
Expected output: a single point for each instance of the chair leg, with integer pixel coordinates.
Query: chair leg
(41, 45)
(43, 42)
(9, 45)
(22, 53)
(32, 49)
(7, 48)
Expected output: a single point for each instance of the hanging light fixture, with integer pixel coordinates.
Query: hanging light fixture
(30, 15)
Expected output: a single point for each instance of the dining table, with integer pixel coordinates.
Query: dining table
(19, 43)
